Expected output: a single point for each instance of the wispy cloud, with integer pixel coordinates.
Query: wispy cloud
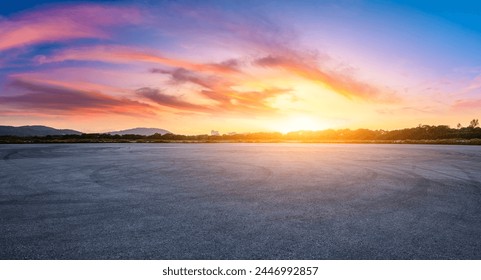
(181, 75)
(337, 81)
(278, 46)
(467, 105)
(474, 84)
(236, 101)
(162, 99)
(221, 90)
(64, 23)
(129, 55)
(64, 100)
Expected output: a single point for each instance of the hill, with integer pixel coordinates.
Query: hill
(34, 130)
(140, 131)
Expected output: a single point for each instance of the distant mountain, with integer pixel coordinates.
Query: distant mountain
(140, 131)
(34, 130)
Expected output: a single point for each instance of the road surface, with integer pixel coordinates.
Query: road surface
(240, 201)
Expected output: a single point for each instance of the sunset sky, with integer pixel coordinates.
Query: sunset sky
(239, 66)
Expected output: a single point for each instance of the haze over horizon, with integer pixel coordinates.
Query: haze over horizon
(238, 66)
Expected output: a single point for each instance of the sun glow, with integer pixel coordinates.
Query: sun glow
(296, 123)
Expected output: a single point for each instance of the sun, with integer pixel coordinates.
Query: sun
(296, 123)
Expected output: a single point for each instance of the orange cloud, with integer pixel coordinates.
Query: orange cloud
(234, 101)
(338, 82)
(220, 90)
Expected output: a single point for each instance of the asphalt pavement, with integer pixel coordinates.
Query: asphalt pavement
(240, 201)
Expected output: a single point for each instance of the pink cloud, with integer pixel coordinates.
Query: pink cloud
(467, 105)
(162, 99)
(475, 84)
(35, 97)
(64, 23)
(121, 54)
(48, 80)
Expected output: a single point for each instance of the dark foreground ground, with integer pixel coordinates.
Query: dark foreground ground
(240, 201)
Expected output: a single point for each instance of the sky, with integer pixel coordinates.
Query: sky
(239, 66)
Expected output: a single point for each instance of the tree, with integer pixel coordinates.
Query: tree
(474, 123)
(459, 126)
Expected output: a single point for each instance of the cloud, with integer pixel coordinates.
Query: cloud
(162, 99)
(64, 23)
(220, 89)
(474, 85)
(231, 61)
(35, 97)
(129, 55)
(181, 75)
(54, 80)
(256, 35)
(236, 101)
(338, 82)
(472, 105)
(278, 46)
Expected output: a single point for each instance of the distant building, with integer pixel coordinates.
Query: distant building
(214, 133)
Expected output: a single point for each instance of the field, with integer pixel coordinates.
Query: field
(240, 201)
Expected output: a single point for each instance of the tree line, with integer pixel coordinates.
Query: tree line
(421, 132)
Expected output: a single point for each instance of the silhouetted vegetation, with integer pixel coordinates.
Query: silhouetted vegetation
(430, 134)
